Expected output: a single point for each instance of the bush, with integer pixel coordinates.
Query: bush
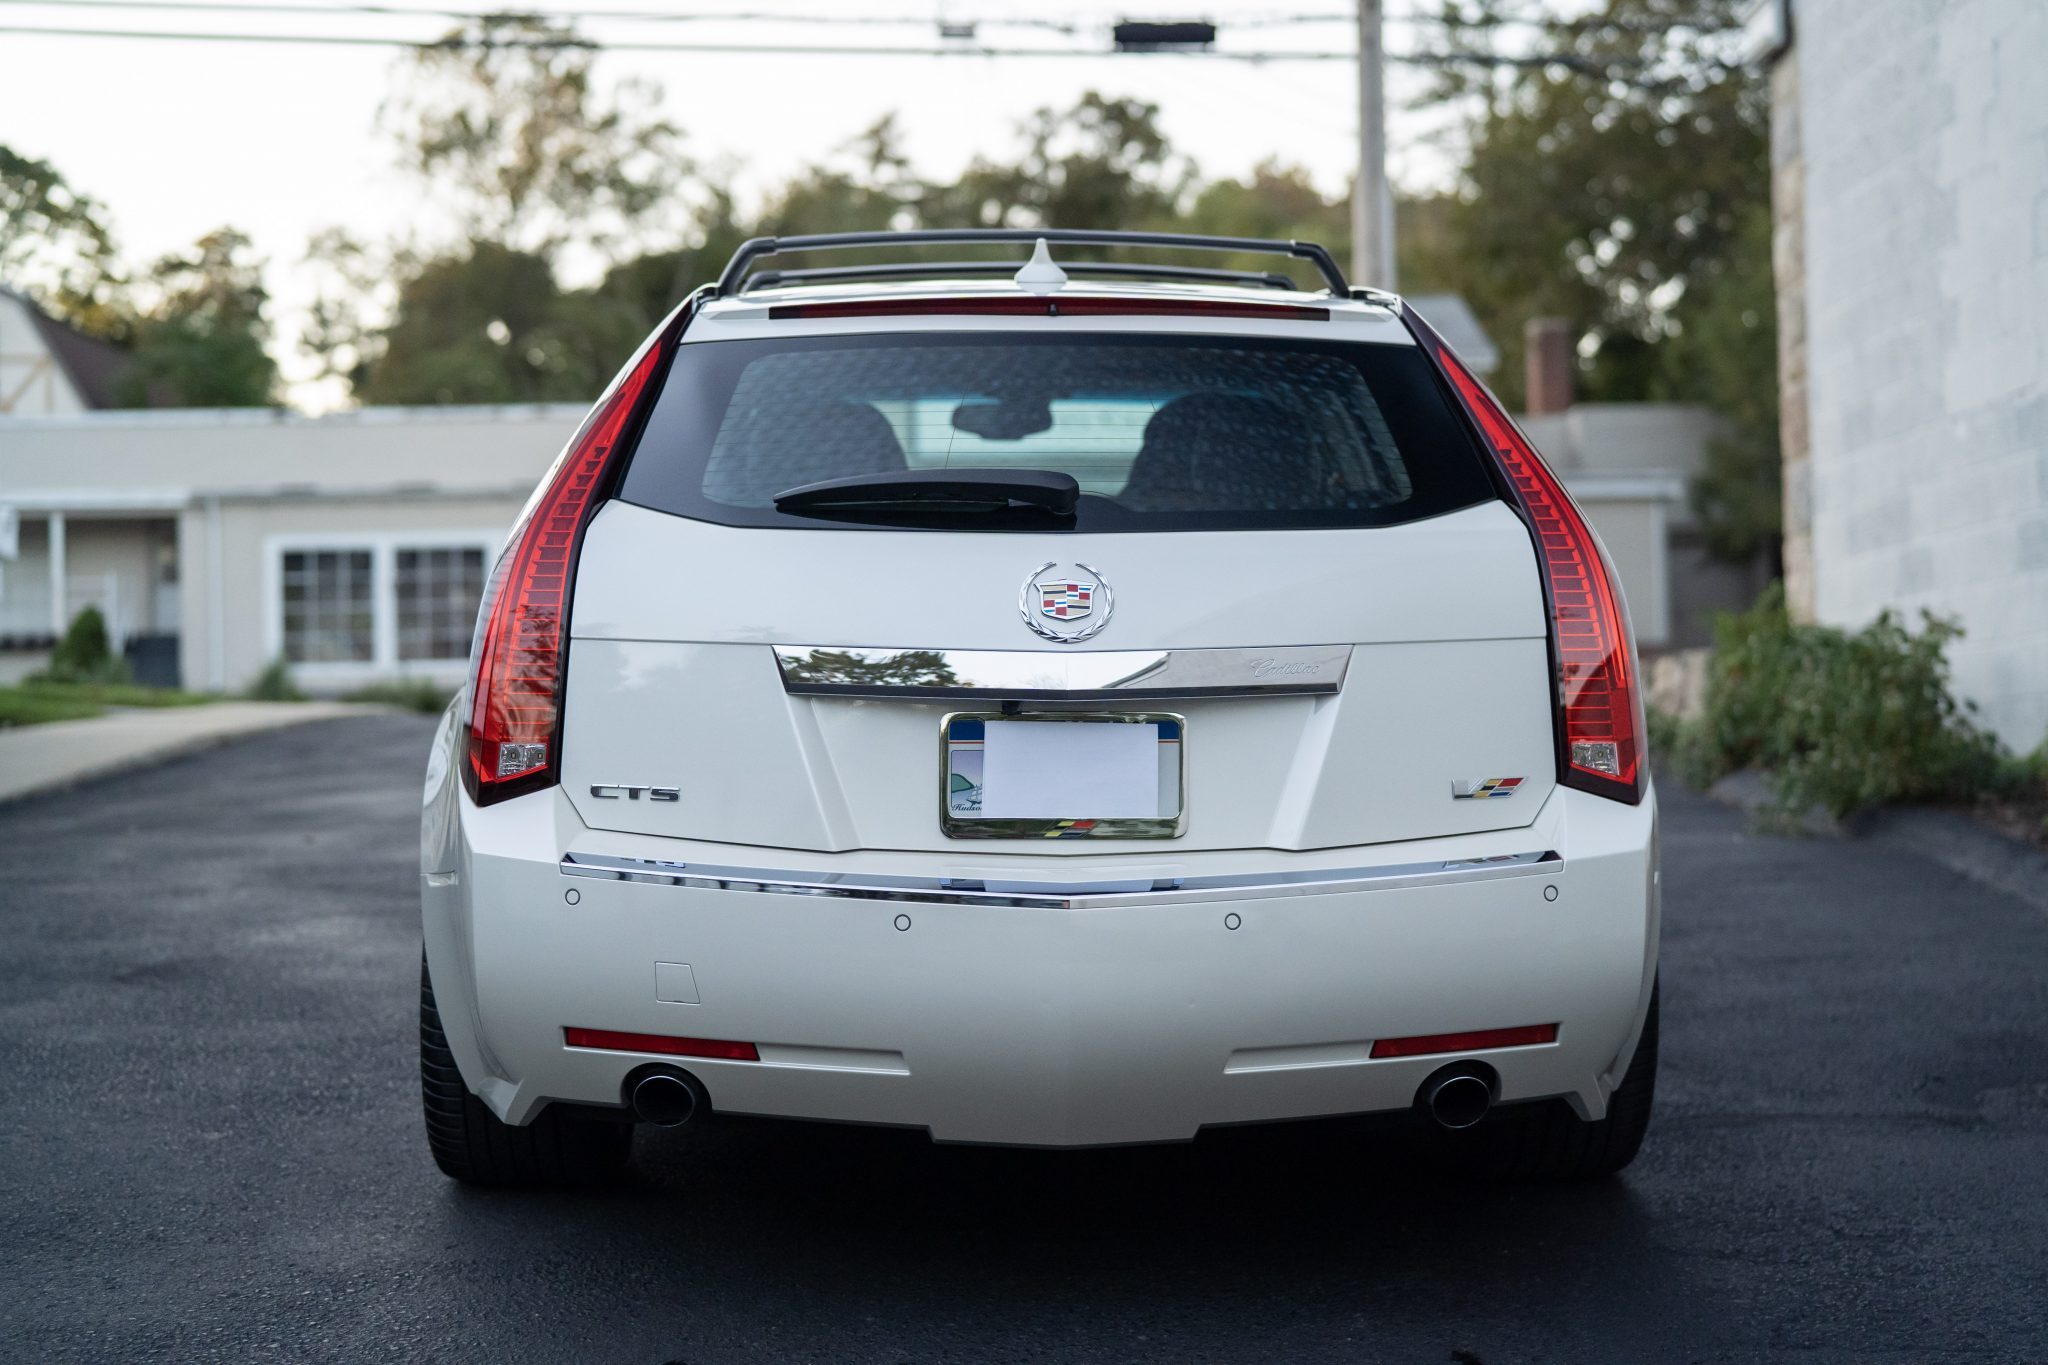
(85, 654)
(1844, 721)
(275, 683)
(414, 694)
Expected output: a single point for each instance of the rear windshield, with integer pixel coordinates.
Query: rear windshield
(1161, 432)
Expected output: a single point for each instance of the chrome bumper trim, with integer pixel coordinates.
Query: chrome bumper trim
(1046, 675)
(1046, 895)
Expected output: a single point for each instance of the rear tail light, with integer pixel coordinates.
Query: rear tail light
(1600, 708)
(517, 660)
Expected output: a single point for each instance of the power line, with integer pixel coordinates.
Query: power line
(1067, 27)
(762, 49)
(432, 12)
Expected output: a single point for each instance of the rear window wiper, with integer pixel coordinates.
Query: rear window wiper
(936, 492)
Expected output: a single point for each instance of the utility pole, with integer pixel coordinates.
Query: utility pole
(1372, 207)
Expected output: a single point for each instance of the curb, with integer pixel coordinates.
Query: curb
(1962, 845)
(1944, 836)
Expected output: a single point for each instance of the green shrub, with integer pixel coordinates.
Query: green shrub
(414, 694)
(1840, 720)
(85, 654)
(275, 683)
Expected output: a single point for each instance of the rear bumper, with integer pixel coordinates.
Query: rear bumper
(925, 990)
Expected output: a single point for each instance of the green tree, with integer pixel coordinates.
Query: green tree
(1727, 357)
(1618, 177)
(503, 125)
(647, 286)
(56, 246)
(203, 343)
(1104, 163)
(1603, 185)
(491, 325)
(866, 186)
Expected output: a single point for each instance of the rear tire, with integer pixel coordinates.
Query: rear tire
(1545, 1140)
(475, 1146)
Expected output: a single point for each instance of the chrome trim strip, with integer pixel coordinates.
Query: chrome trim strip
(1037, 895)
(1042, 675)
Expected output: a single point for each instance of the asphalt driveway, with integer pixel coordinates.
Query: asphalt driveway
(210, 1142)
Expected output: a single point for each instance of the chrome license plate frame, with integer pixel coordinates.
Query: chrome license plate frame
(956, 817)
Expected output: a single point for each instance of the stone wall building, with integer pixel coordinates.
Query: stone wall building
(1910, 187)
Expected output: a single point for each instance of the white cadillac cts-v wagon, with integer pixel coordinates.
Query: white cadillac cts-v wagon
(1043, 702)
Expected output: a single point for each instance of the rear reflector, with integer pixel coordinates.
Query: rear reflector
(1465, 1042)
(660, 1042)
(1012, 306)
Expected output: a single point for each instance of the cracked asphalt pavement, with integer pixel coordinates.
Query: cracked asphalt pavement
(210, 1143)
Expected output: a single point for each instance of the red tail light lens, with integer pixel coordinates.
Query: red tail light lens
(1599, 702)
(1528, 1035)
(515, 677)
(610, 1041)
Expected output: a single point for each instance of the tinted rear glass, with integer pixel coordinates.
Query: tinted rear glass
(1161, 432)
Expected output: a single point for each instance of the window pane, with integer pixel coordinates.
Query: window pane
(1162, 433)
(438, 591)
(326, 616)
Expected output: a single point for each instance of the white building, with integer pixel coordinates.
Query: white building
(1910, 189)
(354, 546)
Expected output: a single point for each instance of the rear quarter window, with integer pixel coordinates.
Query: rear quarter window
(1161, 432)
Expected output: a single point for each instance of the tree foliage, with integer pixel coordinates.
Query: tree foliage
(1104, 163)
(503, 125)
(56, 245)
(203, 341)
(491, 325)
(1623, 184)
(192, 322)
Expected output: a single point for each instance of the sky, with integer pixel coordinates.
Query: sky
(177, 138)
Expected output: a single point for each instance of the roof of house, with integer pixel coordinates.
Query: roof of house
(1455, 322)
(95, 368)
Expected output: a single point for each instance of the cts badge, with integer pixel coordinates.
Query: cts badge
(1065, 602)
(1484, 788)
(618, 791)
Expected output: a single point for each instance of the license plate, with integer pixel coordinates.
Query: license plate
(1062, 777)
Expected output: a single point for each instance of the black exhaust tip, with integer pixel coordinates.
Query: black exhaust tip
(1459, 1095)
(666, 1097)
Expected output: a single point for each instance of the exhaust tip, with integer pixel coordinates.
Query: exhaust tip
(666, 1098)
(1459, 1095)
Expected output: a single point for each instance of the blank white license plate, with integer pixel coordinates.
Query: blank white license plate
(1062, 776)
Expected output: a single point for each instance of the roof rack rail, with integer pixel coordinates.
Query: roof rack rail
(758, 248)
(830, 274)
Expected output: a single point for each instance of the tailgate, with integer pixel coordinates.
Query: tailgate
(674, 683)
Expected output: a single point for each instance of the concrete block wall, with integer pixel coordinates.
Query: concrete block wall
(1923, 132)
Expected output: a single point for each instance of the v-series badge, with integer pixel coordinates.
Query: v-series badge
(614, 791)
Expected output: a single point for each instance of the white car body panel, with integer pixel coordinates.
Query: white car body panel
(1089, 1024)
(1444, 685)
(1043, 1027)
